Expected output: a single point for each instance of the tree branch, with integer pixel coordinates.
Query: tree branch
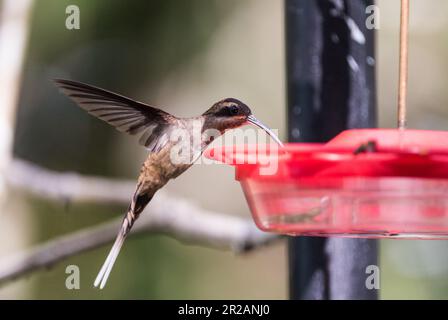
(175, 217)
(62, 186)
(14, 29)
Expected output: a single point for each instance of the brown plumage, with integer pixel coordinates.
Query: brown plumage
(156, 129)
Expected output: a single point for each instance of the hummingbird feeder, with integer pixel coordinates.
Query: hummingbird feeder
(370, 183)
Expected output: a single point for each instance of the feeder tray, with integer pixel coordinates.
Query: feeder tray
(395, 186)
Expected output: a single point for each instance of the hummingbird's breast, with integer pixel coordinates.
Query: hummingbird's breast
(159, 168)
(185, 145)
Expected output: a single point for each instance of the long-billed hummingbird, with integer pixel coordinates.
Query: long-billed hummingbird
(157, 129)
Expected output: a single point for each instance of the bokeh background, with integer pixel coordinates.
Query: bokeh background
(185, 55)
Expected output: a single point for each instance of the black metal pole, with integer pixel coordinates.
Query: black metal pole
(331, 87)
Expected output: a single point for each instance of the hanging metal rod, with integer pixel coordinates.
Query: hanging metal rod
(403, 72)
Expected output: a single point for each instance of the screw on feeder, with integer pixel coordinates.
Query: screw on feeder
(403, 71)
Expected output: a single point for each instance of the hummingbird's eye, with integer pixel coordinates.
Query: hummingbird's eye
(233, 110)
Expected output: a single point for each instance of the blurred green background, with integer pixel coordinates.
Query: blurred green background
(184, 55)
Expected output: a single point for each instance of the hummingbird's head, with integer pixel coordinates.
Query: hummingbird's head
(227, 114)
(231, 113)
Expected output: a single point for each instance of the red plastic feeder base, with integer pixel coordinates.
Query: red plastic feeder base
(394, 186)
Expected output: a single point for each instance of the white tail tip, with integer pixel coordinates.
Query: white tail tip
(104, 273)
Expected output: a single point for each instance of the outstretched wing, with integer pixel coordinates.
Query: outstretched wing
(125, 114)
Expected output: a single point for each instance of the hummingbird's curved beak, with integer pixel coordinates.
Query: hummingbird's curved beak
(259, 124)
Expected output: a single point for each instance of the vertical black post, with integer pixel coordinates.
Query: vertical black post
(331, 87)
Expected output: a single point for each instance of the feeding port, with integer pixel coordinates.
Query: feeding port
(364, 183)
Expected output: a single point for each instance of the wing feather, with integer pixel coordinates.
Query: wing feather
(125, 114)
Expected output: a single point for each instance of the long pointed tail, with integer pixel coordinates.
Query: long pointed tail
(136, 207)
(104, 273)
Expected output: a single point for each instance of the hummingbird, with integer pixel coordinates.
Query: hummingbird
(156, 128)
